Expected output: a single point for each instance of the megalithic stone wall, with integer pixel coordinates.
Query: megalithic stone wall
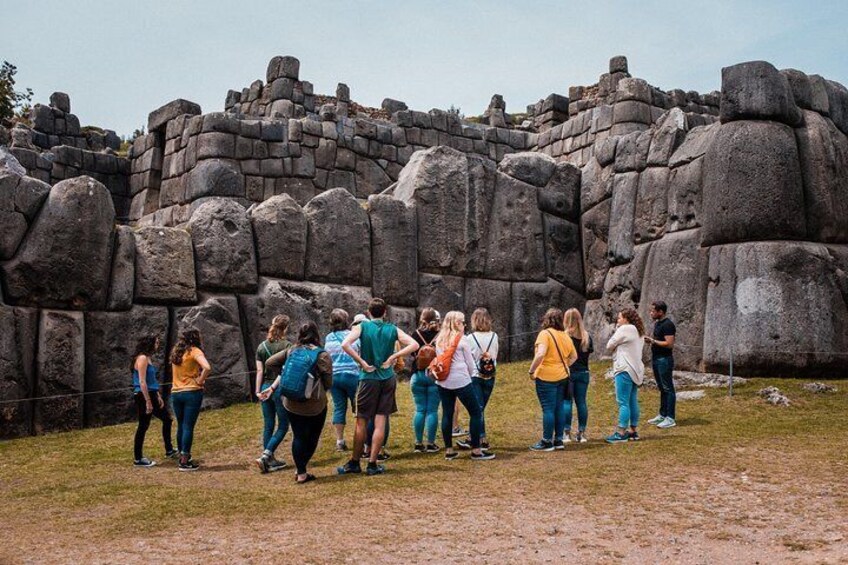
(729, 206)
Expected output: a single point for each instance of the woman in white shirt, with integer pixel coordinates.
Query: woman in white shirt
(458, 385)
(626, 344)
(484, 349)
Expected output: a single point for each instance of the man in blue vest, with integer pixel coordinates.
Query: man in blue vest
(375, 395)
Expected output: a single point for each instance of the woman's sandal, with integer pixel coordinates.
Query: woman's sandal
(309, 477)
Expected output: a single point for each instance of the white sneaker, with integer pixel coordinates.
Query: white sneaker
(656, 420)
(667, 423)
(581, 438)
(566, 438)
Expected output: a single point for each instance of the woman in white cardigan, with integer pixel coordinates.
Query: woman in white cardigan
(626, 344)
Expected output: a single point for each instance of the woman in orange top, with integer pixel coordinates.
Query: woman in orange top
(189, 369)
(550, 370)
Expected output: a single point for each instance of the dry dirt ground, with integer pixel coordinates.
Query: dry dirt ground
(736, 482)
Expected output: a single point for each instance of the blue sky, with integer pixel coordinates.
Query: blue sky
(120, 60)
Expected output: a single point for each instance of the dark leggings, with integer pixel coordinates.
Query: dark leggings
(144, 423)
(306, 431)
(469, 398)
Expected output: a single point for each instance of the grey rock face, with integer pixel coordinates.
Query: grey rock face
(529, 303)
(685, 190)
(222, 238)
(162, 115)
(339, 243)
(669, 135)
(122, 285)
(370, 178)
(802, 90)
(676, 273)
(595, 184)
(651, 205)
(561, 196)
(110, 341)
(837, 101)
(823, 151)
(391, 106)
(752, 185)
(214, 177)
(756, 90)
(496, 297)
(10, 164)
(625, 189)
(442, 292)
(595, 225)
(759, 292)
(17, 368)
(217, 319)
(61, 101)
(696, 143)
(280, 230)
(631, 153)
(563, 252)
(164, 266)
(60, 369)
(533, 168)
(64, 262)
(394, 250)
(20, 199)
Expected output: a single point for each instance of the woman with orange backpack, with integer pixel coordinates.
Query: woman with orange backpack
(453, 368)
(425, 393)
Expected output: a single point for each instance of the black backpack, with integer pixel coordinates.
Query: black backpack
(486, 366)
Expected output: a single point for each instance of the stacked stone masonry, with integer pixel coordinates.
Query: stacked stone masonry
(730, 207)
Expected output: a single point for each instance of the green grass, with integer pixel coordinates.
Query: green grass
(86, 480)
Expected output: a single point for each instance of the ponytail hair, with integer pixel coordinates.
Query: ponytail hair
(279, 327)
(188, 338)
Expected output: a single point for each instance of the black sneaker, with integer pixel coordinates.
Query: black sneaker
(419, 448)
(451, 455)
(274, 465)
(432, 448)
(366, 453)
(559, 444)
(172, 453)
(374, 469)
(383, 456)
(543, 445)
(144, 462)
(463, 444)
(633, 436)
(189, 465)
(484, 445)
(482, 456)
(349, 468)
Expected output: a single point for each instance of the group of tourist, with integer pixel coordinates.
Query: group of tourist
(356, 363)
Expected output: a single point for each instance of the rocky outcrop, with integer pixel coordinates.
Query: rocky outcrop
(339, 242)
(224, 254)
(280, 232)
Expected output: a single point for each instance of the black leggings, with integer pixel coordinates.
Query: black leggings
(306, 431)
(144, 423)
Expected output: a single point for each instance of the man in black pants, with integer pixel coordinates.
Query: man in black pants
(662, 361)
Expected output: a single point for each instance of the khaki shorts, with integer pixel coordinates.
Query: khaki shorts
(375, 397)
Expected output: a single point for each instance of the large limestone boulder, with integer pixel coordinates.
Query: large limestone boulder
(280, 231)
(339, 242)
(595, 184)
(563, 252)
(696, 143)
(685, 192)
(676, 273)
(394, 250)
(122, 285)
(670, 132)
(514, 243)
(214, 177)
(651, 214)
(159, 117)
(623, 209)
(110, 341)
(21, 198)
(17, 369)
(535, 169)
(442, 292)
(164, 266)
(752, 184)
(496, 297)
(60, 370)
(64, 260)
(561, 196)
(823, 151)
(779, 308)
(757, 90)
(222, 238)
(217, 319)
(595, 227)
(530, 300)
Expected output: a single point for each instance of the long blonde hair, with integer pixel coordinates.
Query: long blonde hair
(453, 325)
(575, 328)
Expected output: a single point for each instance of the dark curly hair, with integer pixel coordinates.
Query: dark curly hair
(188, 339)
(145, 346)
(632, 317)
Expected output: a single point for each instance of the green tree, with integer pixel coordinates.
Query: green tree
(14, 104)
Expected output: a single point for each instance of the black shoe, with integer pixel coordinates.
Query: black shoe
(432, 448)
(633, 436)
(419, 448)
(463, 444)
(144, 462)
(482, 456)
(274, 465)
(188, 465)
(349, 468)
(543, 445)
(171, 453)
(383, 456)
(451, 455)
(374, 469)
(558, 444)
(484, 445)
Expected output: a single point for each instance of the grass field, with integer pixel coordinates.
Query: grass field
(737, 481)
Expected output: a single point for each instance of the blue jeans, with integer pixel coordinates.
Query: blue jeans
(469, 398)
(626, 394)
(344, 392)
(186, 405)
(552, 399)
(484, 391)
(663, 371)
(580, 380)
(425, 393)
(273, 413)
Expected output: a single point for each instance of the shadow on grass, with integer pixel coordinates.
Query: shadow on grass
(693, 421)
(223, 468)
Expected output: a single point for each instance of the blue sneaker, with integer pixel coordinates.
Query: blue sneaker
(349, 468)
(372, 470)
(543, 445)
(618, 438)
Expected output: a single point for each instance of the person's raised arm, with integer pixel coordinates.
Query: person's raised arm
(141, 363)
(347, 347)
(410, 346)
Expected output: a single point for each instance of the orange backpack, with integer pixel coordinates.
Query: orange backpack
(440, 366)
(426, 353)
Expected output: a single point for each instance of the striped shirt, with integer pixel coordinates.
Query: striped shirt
(342, 362)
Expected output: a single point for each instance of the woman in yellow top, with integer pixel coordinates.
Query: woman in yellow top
(554, 354)
(189, 370)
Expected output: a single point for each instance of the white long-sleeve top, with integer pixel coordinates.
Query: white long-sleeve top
(627, 356)
(462, 367)
(477, 352)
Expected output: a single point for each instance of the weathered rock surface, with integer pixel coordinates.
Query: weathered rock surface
(625, 189)
(122, 285)
(280, 231)
(214, 177)
(561, 196)
(563, 252)
(164, 266)
(394, 250)
(20, 199)
(752, 185)
(529, 302)
(756, 90)
(442, 292)
(696, 143)
(685, 192)
(535, 169)
(110, 341)
(64, 262)
(217, 319)
(759, 292)
(595, 185)
(222, 238)
(60, 370)
(339, 242)
(595, 226)
(162, 115)
(671, 130)
(17, 368)
(651, 213)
